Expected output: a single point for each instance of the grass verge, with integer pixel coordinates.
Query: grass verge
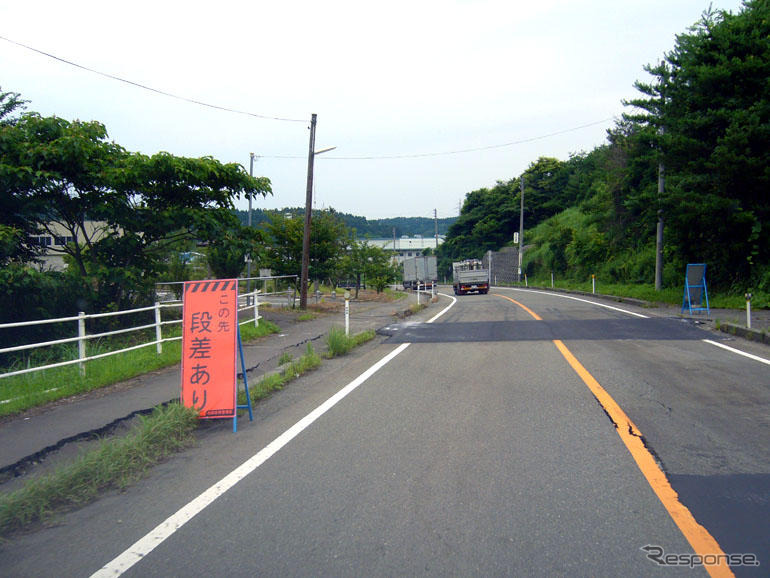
(118, 462)
(414, 308)
(22, 392)
(396, 294)
(272, 382)
(115, 464)
(646, 292)
(337, 343)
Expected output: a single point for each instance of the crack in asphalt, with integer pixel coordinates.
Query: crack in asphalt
(21, 466)
(637, 434)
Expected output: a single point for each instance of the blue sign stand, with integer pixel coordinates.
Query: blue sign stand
(245, 385)
(695, 292)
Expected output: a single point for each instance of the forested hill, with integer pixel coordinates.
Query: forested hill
(704, 118)
(373, 228)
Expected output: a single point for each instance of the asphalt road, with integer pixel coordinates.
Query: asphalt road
(476, 450)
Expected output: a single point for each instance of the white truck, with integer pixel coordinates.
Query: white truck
(420, 270)
(469, 276)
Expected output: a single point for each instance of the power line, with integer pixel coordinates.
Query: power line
(149, 88)
(452, 152)
(285, 119)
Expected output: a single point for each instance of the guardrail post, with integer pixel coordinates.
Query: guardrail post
(158, 330)
(82, 341)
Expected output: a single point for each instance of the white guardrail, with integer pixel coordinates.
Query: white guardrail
(246, 302)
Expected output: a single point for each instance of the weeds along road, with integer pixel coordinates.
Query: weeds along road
(519, 433)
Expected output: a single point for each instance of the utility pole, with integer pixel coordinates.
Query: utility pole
(521, 225)
(659, 234)
(435, 223)
(395, 252)
(308, 210)
(248, 263)
(661, 187)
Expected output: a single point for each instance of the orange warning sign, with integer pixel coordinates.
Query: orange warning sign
(209, 332)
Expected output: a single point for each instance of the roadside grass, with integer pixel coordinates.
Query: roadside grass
(274, 381)
(21, 392)
(642, 292)
(759, 300)
(647, 292)
(115, 464)
(395, 294)
(120, 461)
(337, 343)
(414, 308)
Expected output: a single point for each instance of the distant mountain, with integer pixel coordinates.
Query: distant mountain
(373, 228)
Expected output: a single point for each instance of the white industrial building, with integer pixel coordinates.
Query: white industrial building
(57, 236)
(405, 247)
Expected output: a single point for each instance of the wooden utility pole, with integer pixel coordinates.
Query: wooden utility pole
(395, 252)
(248, 264)
(308, 211)
(661, 187)
(659, 232)
(521, 225)
(435, 223)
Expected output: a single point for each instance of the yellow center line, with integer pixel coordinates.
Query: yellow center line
(702, 542)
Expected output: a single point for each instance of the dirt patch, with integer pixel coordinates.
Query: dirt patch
(327, 303)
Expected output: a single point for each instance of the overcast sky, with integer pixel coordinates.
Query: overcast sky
(409, 79)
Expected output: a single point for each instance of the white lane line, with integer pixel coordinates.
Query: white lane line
(738, 351)
(445, 309)
(577, 299)
(165, 529)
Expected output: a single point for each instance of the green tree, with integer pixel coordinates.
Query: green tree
(369, 262)
(67, 173)
(284, 243)
(10, 104)
(487, 221)
(545, 189)
(710, 97)
(328, 239)
(227, 253)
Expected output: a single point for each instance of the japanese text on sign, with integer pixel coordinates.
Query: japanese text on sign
(209, 332)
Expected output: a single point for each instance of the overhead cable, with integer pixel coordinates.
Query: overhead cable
(284, 119)
(151, 89)
(446, 153)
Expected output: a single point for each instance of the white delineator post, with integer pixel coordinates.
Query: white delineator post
(748, 310)
(347, 313)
